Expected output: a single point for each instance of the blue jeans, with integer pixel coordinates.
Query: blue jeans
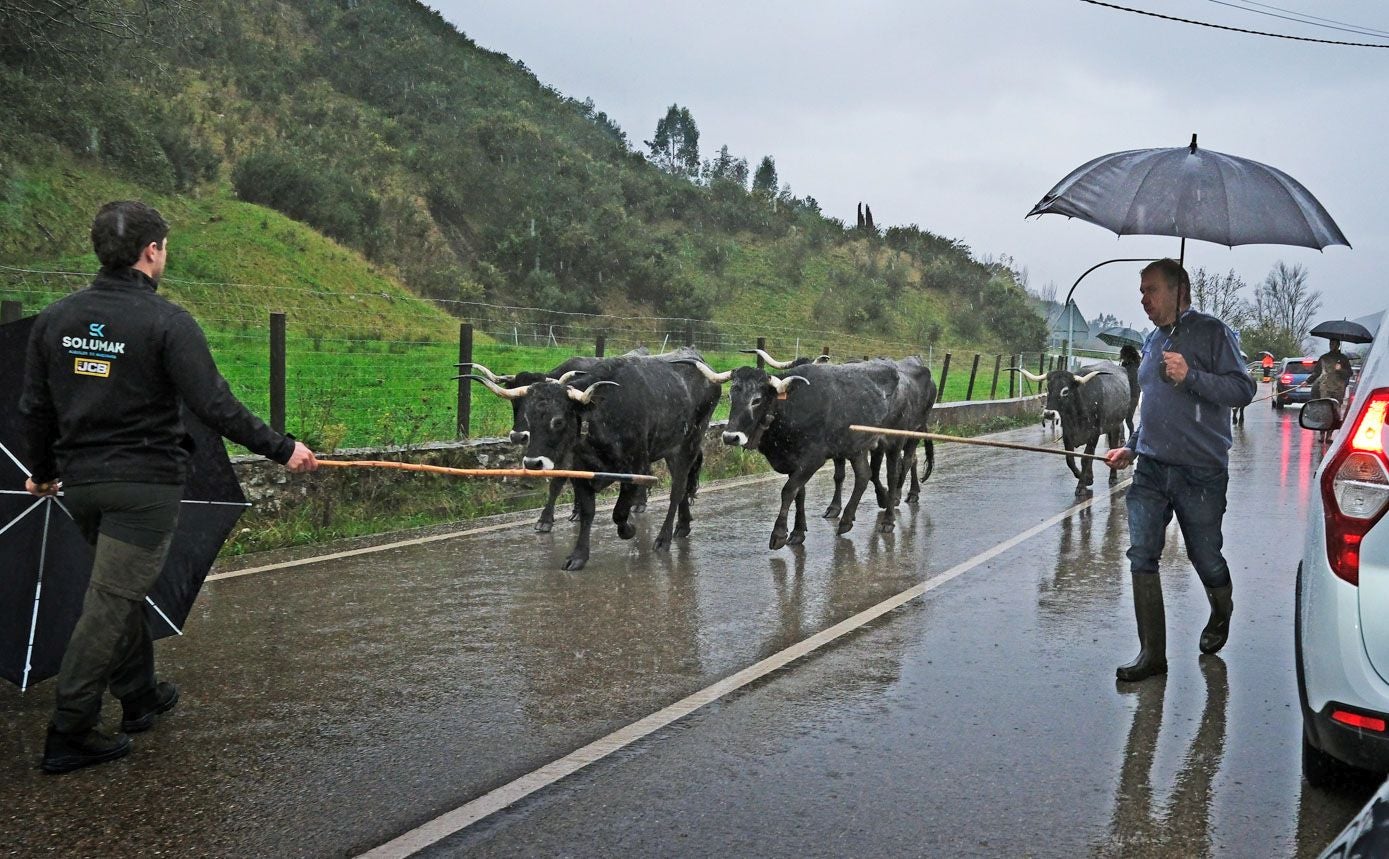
(1196, 494)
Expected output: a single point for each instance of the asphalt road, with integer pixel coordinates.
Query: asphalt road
(334, 707)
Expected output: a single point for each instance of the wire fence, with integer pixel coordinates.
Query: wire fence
(377, 369)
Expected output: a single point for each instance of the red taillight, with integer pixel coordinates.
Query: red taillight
(1355, 488)
(1286, 378)
(1358, 720)
(1308, 363)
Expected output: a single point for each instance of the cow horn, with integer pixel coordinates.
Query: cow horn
(783, 385)
(771, 362)
(501, 380)
(564, 380)
(586, 397)
(1080, 380)
(822, 359)
(1031, 376)
(504, 393)
(716, 378)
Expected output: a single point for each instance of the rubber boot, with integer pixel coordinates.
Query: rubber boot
(1217, 630)
(1152, 630)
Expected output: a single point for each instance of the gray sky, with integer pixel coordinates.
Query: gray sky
(958, 115)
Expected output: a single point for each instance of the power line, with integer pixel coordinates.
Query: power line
(1308, 20)
(1233, 29)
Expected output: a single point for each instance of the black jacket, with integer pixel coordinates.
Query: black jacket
(106, 370)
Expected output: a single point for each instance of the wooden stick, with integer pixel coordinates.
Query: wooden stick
(1276, 393)
(533, 473)
(1005, 444)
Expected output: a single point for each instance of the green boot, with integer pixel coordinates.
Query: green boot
(1217, 630)
(1152, 630)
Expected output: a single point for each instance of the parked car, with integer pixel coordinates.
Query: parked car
(1292, 374)
(1342, 617)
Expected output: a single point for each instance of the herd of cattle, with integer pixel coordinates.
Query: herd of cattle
(626, 413)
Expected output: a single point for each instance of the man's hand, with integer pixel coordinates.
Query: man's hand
(302, 460)
(1120, 457)
(1176, 367)
(42, 489)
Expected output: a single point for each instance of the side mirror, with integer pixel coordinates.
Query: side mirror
(1323, 414)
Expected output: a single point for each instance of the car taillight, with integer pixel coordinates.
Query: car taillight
(1355, 487)
(1286, 378)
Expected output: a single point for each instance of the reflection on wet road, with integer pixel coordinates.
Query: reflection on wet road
(329, 708)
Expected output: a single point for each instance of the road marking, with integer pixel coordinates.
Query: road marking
(734, 483)
(508, 794)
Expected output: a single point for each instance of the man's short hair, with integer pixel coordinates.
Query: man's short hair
(1172, 272)
(123, 229)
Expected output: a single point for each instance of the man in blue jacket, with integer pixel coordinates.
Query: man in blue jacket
(106, 373)
(1191, 375)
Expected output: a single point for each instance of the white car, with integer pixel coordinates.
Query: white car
(1342, 620)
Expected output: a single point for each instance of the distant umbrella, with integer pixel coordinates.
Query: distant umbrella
(1343, 330)
(47, 563)
(1119, 335)
(1193, 193)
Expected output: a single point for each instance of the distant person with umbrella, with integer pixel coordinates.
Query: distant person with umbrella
(1331, 374)
(106, 371)
(1267, 363)
(1129, 359)
(1191, 376)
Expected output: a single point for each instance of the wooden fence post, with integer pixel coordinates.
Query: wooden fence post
(944, 374)
(998, 365)
(10, 311)
(761, 347)
(599, 346)
(465, 387)
(973, 371)
(689, 333)
(277, 372)
(1041, 363)
(825, 350)
(1013, 382)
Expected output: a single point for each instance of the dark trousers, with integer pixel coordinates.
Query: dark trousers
(1196, 495)
(129, 525)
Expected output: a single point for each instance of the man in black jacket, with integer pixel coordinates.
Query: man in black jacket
(106, 372)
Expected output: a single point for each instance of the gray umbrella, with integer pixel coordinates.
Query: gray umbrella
(1343, 330)
(1119, 335)
(1193, 194)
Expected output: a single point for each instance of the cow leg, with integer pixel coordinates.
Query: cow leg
(622, 511)
(798, 532)
(1087, 470)
(547, 515)
(915, 494)
(875, 466)
(686, 516)
(861, 475)
(679, 481)
(1070, 461)
(584, 504)
(832, 512)
(639, 500)
(795, 483)
(894, 465)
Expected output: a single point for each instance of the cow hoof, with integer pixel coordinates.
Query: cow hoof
(833, 511)
(913, 498)
(887, 527)
(544, 527)
(845, 526)
(682, 530)
(1113, 477)
(778, 540)
(574, 517)
(1082, 491)
(881, 498)
(797, 538)
(575, 563)
(639, 508)
(661, 543)
(626, 530)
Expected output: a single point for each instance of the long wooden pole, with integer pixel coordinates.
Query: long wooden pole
(1276, 393)
(1005, 444)
(534, 473)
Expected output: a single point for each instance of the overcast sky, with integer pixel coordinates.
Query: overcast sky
(958, 115)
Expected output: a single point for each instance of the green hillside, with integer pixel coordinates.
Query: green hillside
(367, 169)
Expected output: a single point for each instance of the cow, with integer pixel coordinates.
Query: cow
(520, 433)
(620, 415)
(800, 420)
(1091, 404)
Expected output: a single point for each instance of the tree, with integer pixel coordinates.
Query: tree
(675, 146)
(1219, 295)
(60, 35)
(1286, 301)
(727, 168)
(764, 181)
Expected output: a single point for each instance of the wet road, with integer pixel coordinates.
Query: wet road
(329, 708)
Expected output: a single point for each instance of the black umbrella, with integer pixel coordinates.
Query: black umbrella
(1343, 330)
(45, 563)
(1120, 335)
(1193, 193)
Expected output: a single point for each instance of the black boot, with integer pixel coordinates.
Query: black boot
(66, 752)
(1217, 630)
(1152, 630)
(138, 713)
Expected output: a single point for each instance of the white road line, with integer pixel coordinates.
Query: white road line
(469, 532)
(489, 803)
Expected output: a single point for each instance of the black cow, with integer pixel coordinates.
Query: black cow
(621, 415)
(800, 420)
(916, 396)
(1091, 404)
